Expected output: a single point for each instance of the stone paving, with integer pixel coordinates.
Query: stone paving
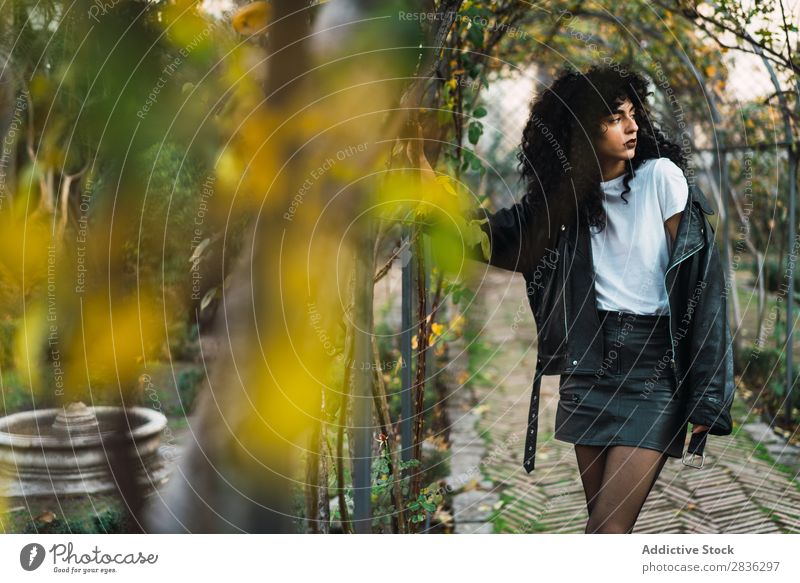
(736, 492)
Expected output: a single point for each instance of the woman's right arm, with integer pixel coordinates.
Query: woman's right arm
(507, 230)
(508, 234)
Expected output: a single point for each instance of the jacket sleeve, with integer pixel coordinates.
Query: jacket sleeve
(710, 375)
(509, 237)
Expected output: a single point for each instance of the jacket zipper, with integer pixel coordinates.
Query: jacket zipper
(564, 287)
(669, 306)
(594, 292)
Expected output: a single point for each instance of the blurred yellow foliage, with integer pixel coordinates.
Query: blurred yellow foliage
(252, 18)
(111, 345)
(25, 250)
(187, 27)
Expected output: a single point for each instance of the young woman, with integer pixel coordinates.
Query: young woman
(623, 429)
(592, 156)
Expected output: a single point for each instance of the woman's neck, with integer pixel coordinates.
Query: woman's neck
(612, 169)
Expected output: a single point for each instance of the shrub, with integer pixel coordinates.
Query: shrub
(7, 328)
(189, 381)
(111, 521)
(775, 274)
(17, 396)
(765, 375)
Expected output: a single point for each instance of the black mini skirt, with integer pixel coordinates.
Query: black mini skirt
(631, 399)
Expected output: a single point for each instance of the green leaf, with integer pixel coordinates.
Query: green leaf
(475, 132)
(485, 246)
(475, 35)
(476, 164)
(446, 183)
(480, 111)
(467, 157)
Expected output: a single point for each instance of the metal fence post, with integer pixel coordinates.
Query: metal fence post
(790, 300)
(362, 395)
(407, 260)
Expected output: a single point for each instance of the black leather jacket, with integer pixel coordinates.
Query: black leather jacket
(559, 278)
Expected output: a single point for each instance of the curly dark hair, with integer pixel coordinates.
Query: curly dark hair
(557, 159)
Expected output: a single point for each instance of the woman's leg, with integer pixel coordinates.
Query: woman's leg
(591, 463)
(628, 477)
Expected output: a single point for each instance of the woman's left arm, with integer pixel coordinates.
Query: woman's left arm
(672, 227)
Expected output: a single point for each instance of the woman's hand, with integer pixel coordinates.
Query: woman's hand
(699, 428)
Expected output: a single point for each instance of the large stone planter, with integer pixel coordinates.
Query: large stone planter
(67, 451)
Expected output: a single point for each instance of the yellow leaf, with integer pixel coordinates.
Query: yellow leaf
(447, 184)
(251, 19)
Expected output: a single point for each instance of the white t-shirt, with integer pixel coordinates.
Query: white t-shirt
(631, 253)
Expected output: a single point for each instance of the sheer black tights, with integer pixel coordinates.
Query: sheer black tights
(617, 481)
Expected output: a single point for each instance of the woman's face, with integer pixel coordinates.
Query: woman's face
(617, 138)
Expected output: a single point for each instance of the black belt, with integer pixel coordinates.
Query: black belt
(646, 318)
(533, 420)
(697, 442)
(696, 445)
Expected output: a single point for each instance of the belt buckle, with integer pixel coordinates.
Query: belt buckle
(692, 457)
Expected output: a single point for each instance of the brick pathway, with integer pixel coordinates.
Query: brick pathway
(734, 493)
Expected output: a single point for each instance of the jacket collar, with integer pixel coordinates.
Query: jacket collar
(689, 238)
(691, 235)
(697, 195)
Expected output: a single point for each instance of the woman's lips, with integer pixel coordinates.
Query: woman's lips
(630, 144)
